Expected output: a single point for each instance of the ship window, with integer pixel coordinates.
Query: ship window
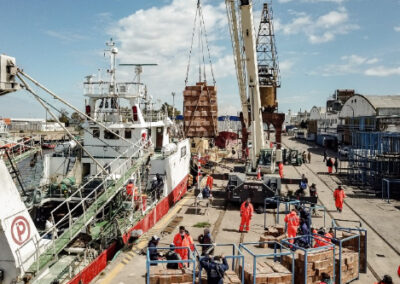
(183, 152)
(128, 134)
(111, 136)
(96, 132)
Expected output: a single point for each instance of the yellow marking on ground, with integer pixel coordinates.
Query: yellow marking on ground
(143, 243)
(111, 275)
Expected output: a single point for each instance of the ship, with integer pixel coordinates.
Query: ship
(98, 192)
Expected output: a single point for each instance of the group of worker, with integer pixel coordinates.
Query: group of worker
(331, 163)
(181, 249)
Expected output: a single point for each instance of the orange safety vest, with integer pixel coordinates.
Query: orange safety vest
(210, 181)
(319, 241)
(339, 196)
(129, 189)
(292, 220)
(246, 211)
(179, 242)
(191, 242)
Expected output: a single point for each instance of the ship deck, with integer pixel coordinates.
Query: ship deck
(377, 216)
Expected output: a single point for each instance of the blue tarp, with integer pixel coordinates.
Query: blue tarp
(226, 117)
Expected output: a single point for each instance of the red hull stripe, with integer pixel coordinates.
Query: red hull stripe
(162, 208)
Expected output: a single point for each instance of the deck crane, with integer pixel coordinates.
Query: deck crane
(243, 184)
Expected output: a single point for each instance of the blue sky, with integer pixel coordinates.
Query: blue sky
(323, 45)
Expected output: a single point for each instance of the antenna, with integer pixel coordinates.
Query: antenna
(138, 68)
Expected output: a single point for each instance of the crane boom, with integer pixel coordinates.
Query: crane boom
(238, 58)
(249, 43)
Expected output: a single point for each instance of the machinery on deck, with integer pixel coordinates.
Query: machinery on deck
(257, 82)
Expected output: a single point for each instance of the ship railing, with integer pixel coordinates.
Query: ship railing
(122, 173)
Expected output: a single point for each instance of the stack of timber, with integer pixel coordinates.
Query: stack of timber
(353, 245)
(200, 111)
(349, 268)
(162, 275)
(271, 235)
(267, 271)
(317, 263)
(230, 278)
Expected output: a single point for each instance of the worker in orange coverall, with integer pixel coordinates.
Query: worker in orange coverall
(182, 240)
(246, 212)
(324, 239)
(210, 181)
(339, 196)
(281, 169)
(293, 222)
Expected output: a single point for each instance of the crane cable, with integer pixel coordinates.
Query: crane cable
(202, 32)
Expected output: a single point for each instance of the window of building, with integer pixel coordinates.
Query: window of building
(183, 151)
(128, 134)
(96, 132)
(111, 136)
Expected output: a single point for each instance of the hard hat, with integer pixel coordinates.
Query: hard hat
(154, 178)
(155, 237)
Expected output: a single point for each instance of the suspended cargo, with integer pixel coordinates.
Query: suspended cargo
(200, 110)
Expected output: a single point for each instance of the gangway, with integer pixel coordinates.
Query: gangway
(97, 199)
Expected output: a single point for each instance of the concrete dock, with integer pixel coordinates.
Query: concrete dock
(378, 216)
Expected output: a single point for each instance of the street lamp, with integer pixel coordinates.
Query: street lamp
(173, 106)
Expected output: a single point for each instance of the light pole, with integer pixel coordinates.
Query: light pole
(173, 106)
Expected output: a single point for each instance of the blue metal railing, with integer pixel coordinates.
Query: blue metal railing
(328, 245)
(279, 251)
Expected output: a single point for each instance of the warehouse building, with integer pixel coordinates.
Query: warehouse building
(368, 113)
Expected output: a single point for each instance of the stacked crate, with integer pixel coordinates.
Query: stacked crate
(272, 234)
(353, 245)
(230, 278)
(200, 110)
(318, 262)
(267, 271)
(162, 275)
(349, 265)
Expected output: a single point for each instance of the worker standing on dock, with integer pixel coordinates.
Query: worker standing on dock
(309, 157)
(210, 181)
(281, 169)
(329, 164)
(293, 221)
(181, 240)
(336, 164)
(339, 196)
(246, 212)
(152, 246)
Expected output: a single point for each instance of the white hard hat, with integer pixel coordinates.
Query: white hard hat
(156, 238)
(154, 178)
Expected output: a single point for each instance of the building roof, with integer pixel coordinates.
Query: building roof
(384, 101)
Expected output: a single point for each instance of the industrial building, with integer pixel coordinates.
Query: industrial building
(369, 113)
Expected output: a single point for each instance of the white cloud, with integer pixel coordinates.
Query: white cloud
(397, 29)
(320, 29)
(350, 64)
(286, 65)
(382, 71)
(65, 36)
(163, 35)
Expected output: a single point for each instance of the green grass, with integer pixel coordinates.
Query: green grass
(202, 225)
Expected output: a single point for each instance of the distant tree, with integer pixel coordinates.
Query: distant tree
(63, 117)
(169, 108)
(76, 117)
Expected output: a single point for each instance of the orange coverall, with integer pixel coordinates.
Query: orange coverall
(281, 170)
(293, 222)
(210, 181)
(246, 213)
(182, 242)
(319, 241)
(339, 196)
